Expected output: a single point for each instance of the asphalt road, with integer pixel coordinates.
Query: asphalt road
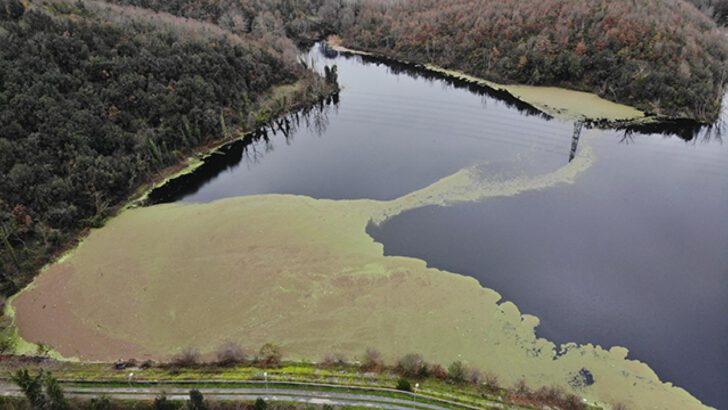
(311, 396)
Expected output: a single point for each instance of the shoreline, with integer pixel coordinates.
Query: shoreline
(194, 160)
(534, 96)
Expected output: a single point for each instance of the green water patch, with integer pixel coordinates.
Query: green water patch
(555, 101)
(303, 272)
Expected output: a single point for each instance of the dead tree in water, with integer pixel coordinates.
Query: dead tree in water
(575, 139)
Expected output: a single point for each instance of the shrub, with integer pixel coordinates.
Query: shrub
(187, 358)
(31, 386)
(457, 372)
(162, 403)
(230, 354)
(336, 359)
(491, 382)
(475, 376)
(7, 345)
(260, 404)
(520, 388)
(372, 360)
(42, 350)
(439, 372)
(98, 403)
(404, 385)
(270, 355)
(412, 365)
(197, 401)
(56, 399)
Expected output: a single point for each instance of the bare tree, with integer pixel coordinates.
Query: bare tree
(187, 358)
(372, 360)
(230, 354)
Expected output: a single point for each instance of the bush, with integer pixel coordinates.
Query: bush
(412, 365)
(32, 387)
(372, 360)
(457, 372)
(197, 401)
(520, 388)
(270, 355)
(404, 385)
(98, 403)
(54, 392)
(260, 404)
(230, 354)
(491, 382)
(7, 345)
(162, 403)
(439, 372)
(42, 350)
(187, 358)
(475, 376)
(335, 359)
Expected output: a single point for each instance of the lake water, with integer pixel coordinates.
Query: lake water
(635, 253)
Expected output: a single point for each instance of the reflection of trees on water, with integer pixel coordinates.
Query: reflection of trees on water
(687, 130)
(250, 150)
(419, 72)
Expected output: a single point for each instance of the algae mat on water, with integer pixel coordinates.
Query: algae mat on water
(555, 101)
(304, 273)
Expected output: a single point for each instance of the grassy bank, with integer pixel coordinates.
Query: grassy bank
(340, 377)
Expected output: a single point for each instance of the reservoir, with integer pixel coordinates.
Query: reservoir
(633, 254)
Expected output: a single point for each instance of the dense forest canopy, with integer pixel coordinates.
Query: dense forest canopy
(662, 56)
(296, 19)
(715, 9)
(96, 98)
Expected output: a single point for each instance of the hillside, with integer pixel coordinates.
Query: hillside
(716, 9)
(96, 99)
(299, 19)
(664, 57)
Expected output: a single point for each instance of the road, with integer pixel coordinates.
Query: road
(367, 398)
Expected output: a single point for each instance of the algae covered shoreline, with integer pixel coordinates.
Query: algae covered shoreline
(557, 102)
(554, 101)
(303, 272)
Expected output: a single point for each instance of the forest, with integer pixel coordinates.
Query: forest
(98, 98)
(715, 9)
(662, 56)
(300, 20)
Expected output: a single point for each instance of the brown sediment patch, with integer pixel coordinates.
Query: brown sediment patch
(303, 272)
(52, 312)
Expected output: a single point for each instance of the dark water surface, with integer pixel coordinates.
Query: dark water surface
(393, 131)
(635, 253)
